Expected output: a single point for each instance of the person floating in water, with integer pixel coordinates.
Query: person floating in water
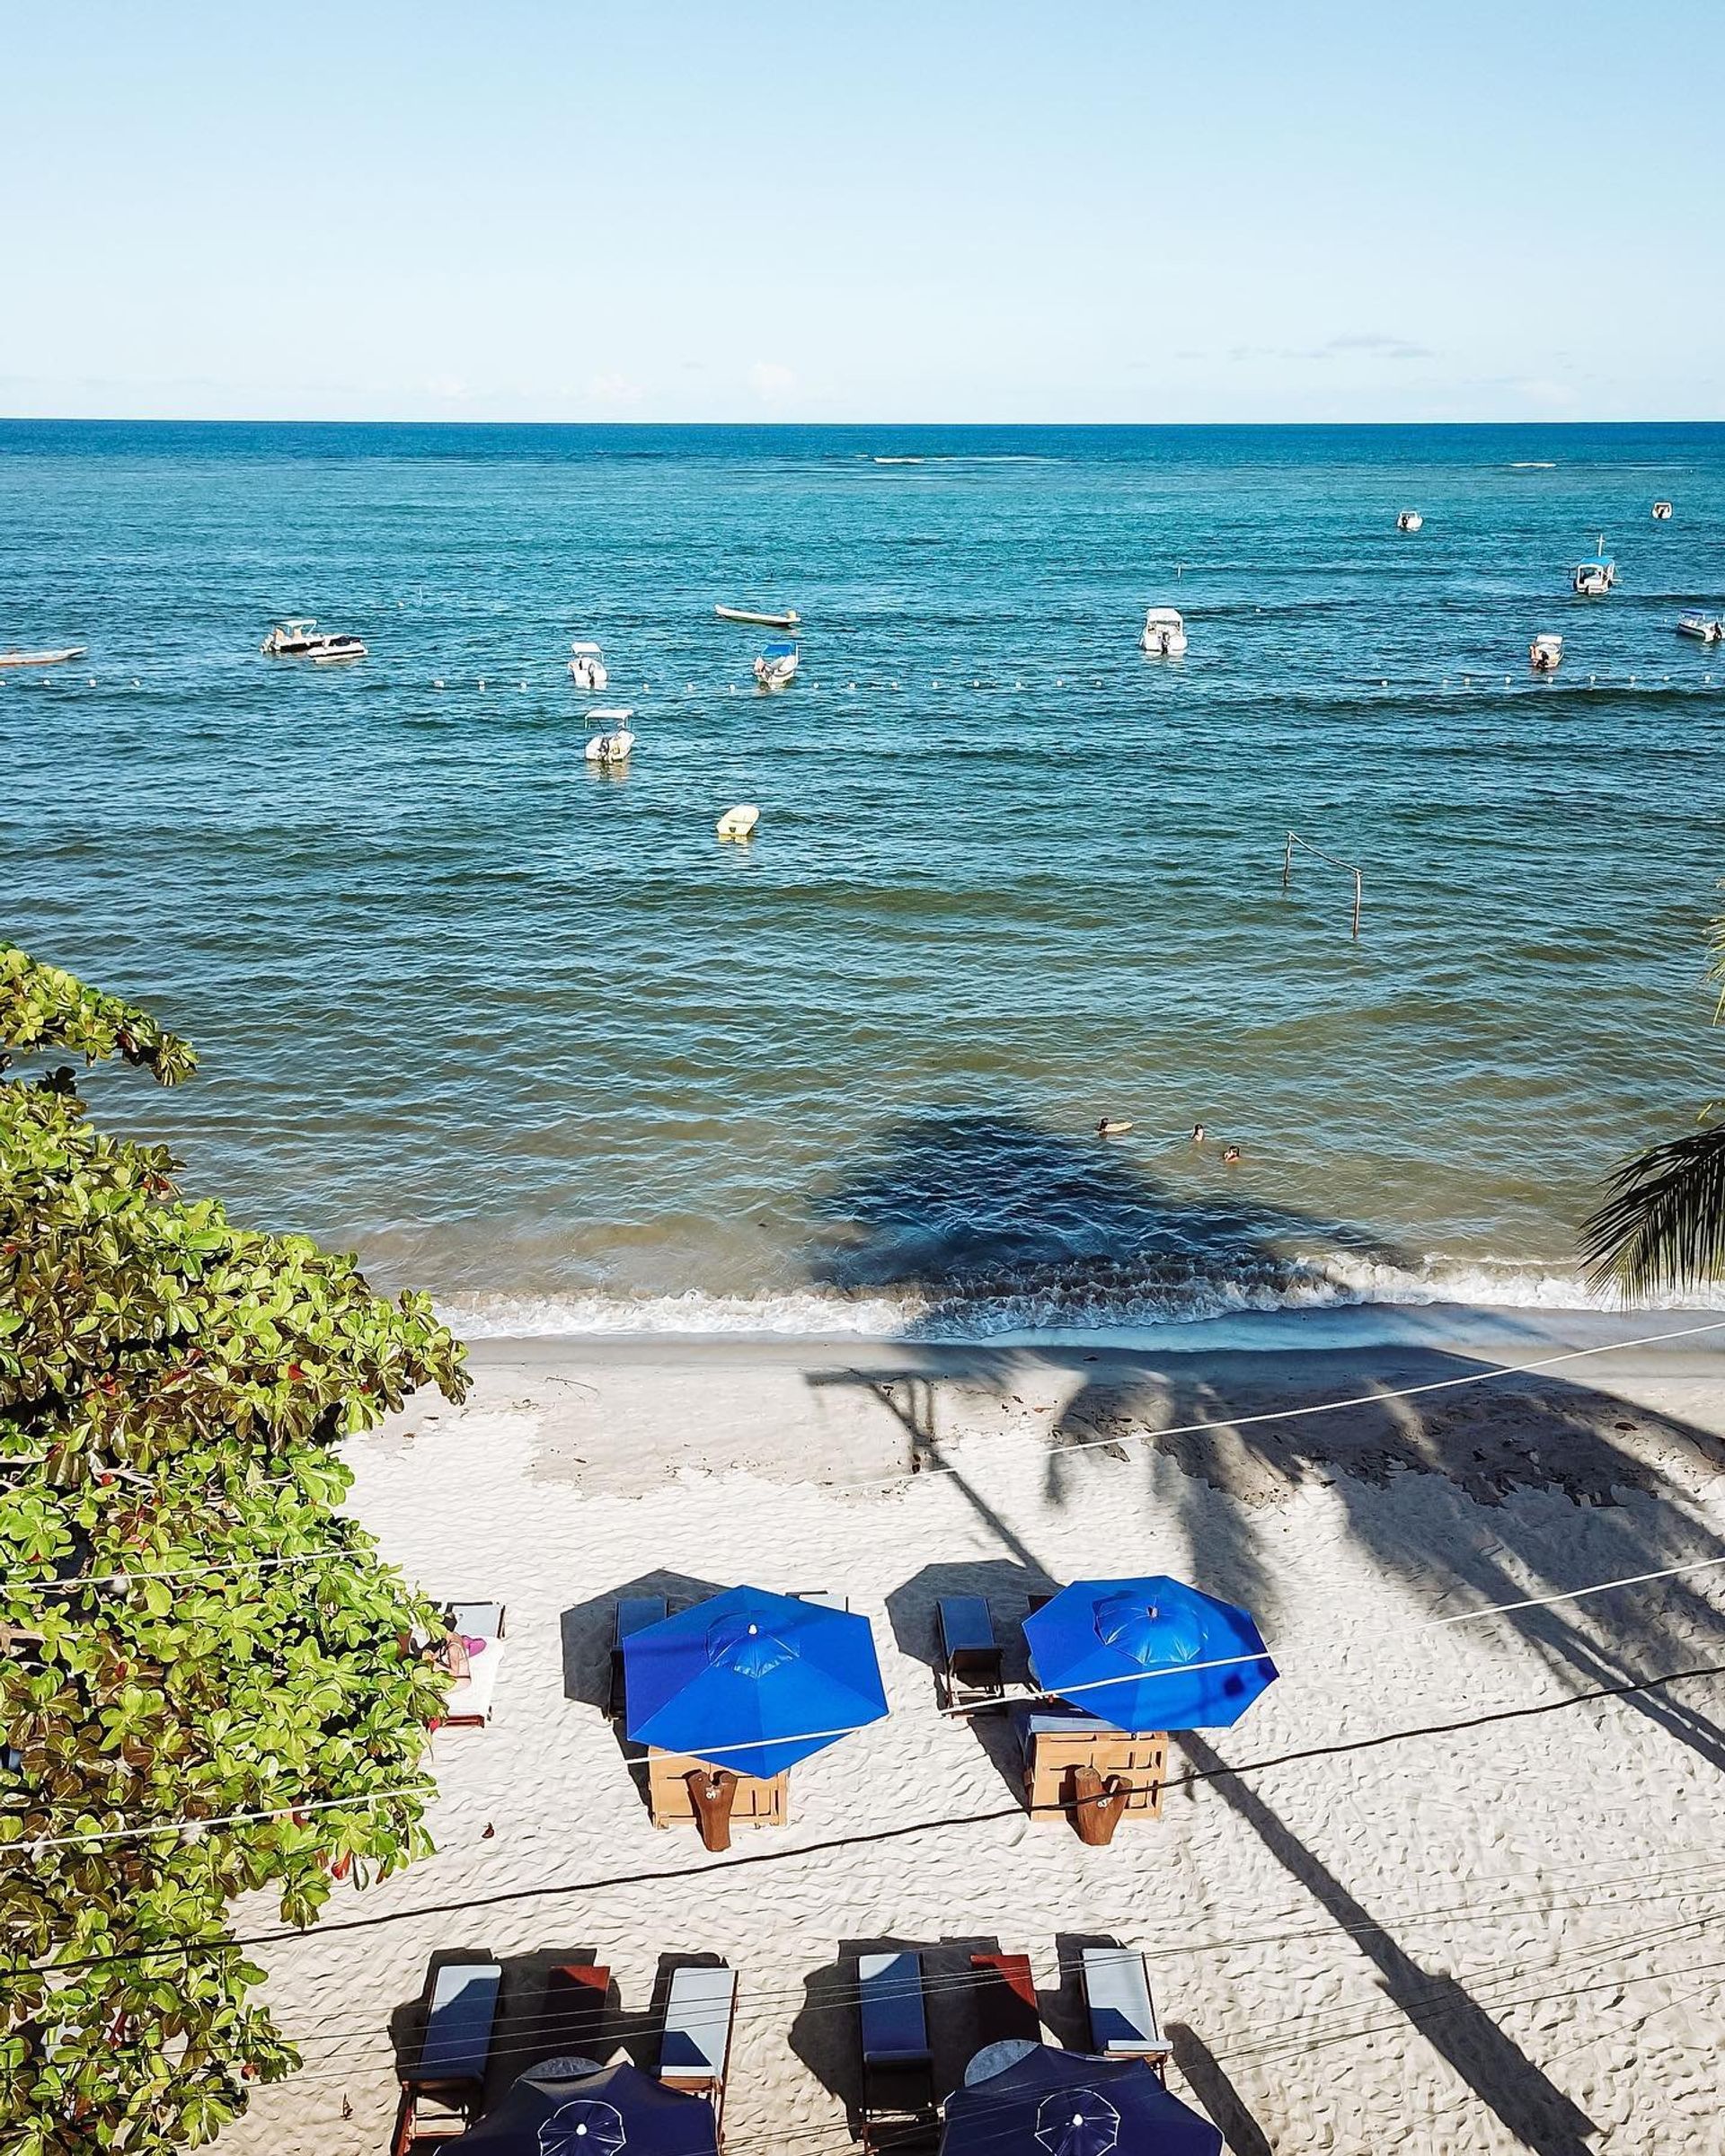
(1106, 1128)
(1230, 1154)
(1198, 1134)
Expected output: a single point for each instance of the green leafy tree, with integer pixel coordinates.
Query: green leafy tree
(188, 1629)
(1662, 1225)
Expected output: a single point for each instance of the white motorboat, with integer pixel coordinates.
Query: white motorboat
(1705, 628)
(1409, 521)
(1546, 653)
(1661, 512)
(1592, 579)
(612, 746)
(776, 666)
(586, 667)
(761, 621)
(1164, 633)
(305, 639)
(738, 822)
(42, 659)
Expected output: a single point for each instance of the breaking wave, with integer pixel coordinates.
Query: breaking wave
(1085, 1300)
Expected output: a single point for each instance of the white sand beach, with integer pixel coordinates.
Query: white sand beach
(1486, 1938)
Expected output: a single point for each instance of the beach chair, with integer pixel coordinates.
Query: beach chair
(1003, 2001)
(842, 1602)
(1123, 2023)
(470, 1697)
(635, 1613)
(441, 2091)
(694, 2054)
(898, 2067)
(970, 1662)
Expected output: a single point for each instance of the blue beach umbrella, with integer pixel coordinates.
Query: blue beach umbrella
(1149, 1654)
(751, 1681)
(616, 2111)
(1062, 2103)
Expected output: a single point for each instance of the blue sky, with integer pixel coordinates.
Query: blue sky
(1109, 210)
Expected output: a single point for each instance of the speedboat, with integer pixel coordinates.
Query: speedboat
(586, 667)
(1661, 512)
(776, 666)
(613, 745)
(1705, 628)
(1164, 633)
(1592, 579)
(761, 621)
(738, 822)
(304, 640)
(1546, 653)
(42, 659)
(1409, 521)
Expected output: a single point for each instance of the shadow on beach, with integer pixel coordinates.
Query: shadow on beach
(985, 1214)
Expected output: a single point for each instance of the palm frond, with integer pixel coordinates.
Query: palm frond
(1662, 1225)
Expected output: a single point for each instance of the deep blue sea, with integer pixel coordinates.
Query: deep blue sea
(530, 1035)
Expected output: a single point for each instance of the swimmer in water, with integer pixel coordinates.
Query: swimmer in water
(1106, 1129)
(1197, 1134)
(1230, 1154)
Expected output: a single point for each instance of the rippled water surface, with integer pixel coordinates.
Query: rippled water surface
(530, 1035)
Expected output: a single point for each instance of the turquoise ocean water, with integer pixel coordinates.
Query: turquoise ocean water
(527, 1034)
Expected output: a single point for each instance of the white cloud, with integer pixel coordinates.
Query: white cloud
(771, 381)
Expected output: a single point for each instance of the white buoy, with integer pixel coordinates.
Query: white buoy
(481, 684)
(738, 822)
(437, 684)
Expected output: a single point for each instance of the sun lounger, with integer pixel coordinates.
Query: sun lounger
(635, 1613)
(1123, 2022)
(442, 2089)
(898, 2067)
(1003, 1998)
(479, 1624)
(827, 1601)
(970, 1665)
(694, 2054)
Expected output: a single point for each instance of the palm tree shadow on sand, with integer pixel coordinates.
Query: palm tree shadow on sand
(984, 1221)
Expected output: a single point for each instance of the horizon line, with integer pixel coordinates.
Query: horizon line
(1071, 425)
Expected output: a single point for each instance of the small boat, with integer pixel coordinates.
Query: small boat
(777, 665)
(304, 640)
(1661, 512)
(1164, 633)
(42, 659)
(1546, 653)
(1592, 579)
(738, 822)
(612, 746)
(586, 667)
(1409, 521)
(1705, 628)
(761, 621)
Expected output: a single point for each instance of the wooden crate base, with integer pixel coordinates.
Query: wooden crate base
(1140, 1760)
(758, 1803)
